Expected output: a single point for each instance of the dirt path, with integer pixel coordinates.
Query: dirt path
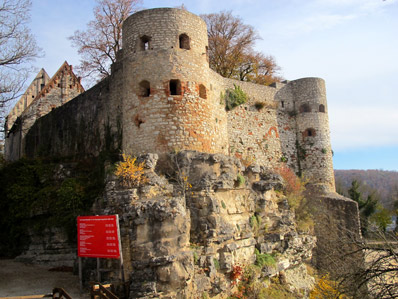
(18, 279)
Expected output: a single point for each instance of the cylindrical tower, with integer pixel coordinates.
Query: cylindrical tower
(314, 152)
(167, 97)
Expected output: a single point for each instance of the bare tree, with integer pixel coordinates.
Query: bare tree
(100, 42)
(17, 48)
(231, 52)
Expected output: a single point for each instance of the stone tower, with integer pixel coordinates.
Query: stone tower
(313, 137)
(168, 101)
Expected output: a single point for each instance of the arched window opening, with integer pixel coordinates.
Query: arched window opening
(322, 108)
(184, 42)
(305, 108)
(175, 87)
(145, 89)
(309, 132)
(202, 91)
(145, 42)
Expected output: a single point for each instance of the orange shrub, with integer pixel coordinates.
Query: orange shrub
(129, 172)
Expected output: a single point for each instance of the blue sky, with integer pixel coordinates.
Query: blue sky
(352, 44)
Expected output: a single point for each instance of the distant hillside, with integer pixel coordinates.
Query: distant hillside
(384, 182)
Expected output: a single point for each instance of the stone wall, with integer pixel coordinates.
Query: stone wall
(157, 118)
(44, 96)
(253, 128)
(82, 127)
(167, 99)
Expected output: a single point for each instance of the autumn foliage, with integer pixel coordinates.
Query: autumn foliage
(293, 184)
(326, 289)
(231, 50)
(100, 42)
(130, 173)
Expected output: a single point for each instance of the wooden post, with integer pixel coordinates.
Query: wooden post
(98, 270)
(80, 274)
(121, 258)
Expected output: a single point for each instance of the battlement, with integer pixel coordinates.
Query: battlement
(162, 96)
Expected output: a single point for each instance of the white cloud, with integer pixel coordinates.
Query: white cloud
(318, 22)
(357, 127)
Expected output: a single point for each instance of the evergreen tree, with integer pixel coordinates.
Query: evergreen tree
(366, 207)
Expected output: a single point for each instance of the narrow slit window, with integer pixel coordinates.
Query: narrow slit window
(184, 42)
(144, 89)
(175, 87)
(202, 91)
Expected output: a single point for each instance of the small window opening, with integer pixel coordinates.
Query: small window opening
(184, 42)
(33, 96)
(175, 87)
(138, 121)
(283, 104)
(145, 89)
(305, 108)
(145, 43)
(322, 108)
(41, 86)
(202, 91)
(309, 133)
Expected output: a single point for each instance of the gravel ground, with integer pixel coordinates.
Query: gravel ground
(18, 279)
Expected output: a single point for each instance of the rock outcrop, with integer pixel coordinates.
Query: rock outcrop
(200, 216)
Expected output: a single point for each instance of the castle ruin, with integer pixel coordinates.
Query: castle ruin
(162, 97)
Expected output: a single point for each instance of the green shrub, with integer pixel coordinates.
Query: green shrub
(216, 264)
(234, 97)
(195, 257)
(241, 180)
(264, 259)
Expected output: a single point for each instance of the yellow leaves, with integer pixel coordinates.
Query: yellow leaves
(130, 173)
(326, 289)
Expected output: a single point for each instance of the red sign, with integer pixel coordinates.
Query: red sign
(98, 236)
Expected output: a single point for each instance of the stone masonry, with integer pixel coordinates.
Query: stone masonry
(162, 96)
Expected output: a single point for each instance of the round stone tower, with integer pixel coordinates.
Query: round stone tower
(314, 151)
(168, 103)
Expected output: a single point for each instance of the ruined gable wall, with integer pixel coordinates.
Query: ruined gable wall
(84, 126)
(30, 94)
(62, 90)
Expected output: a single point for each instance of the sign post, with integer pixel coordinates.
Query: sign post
(98, 237)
